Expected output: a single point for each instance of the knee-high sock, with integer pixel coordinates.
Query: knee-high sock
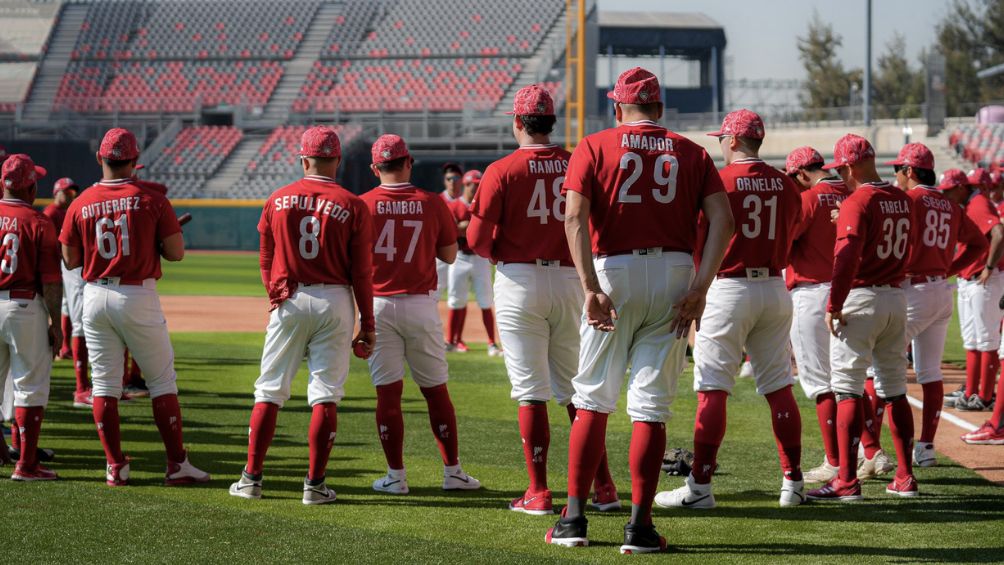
(29, 423)
(390, 423)
(456, 324)
(998, 416)
(934, 394)
(973, 372)
(989, 363)
(870, 434)
(648, 444)
(15, 437)
(535, 432)
(878, 406)
(67, 326)
(849, 414)
(787, 422)
(443, 419)
(602, 478)
(323, 425)
(826, 414)
(709, 430)
(260, 433)
(167, 415)
(79, 348)
(106, 418)
(901, 425)
(586, 443)
(488, 317)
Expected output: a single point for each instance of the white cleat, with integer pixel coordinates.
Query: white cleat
(923, 454)
(317, 494)
(394, 482)
(247, 487)
(792, 493)
(822, 474)
(746, 371)
(459, 480)
(494, 350)
(875, 467)
(184, 473)
(690, 495)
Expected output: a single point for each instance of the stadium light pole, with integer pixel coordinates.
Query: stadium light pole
(867, 99)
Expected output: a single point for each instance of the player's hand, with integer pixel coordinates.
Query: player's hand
(834, 320)
(55, 337)
(834, 214)
(368, 339)
(600, 311)
(689, 310)
(984, 276)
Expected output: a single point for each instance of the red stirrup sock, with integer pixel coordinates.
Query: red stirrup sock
(443, 419)
(167, 415)
(648, 444)
(488, 317)
(106, 418)
(787, 423)
(901, 425)
(390, 423)
(260, 433)
(709, 430)
(826, 414)
(320, 439)
(934, 394)
(849, 413)
(535, 433)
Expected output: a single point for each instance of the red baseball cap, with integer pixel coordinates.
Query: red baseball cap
(387, 148)
(533, 100)
(63, 184)
(472, 176)
(741, 123)
(802, 157)
(119, 145)
(320, 141)
(636, 86)
(849, 150)
(995, 176)
(978, 176)
(914, 155)
(952, 178)
(20, 172)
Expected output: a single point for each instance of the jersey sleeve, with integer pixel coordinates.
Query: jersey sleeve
(809, 204)
(264, 223)
(983, 216)
(712, 183)
(488, 203)
(48, 259)
(447, 224)
(70, 236)
(850, 221)
(167, 223)
(580, 176)
(361, 257)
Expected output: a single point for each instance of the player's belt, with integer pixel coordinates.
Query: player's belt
(645, 251)
(540, 263)
(926, 279)
(753, 274)
(119, 281)
(321, 285)
(17, 294)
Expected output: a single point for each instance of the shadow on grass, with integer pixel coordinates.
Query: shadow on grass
(892, 555)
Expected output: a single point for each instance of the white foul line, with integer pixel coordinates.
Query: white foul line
(945, 415)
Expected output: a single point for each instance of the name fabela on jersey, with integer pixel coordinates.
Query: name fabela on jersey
(547, 166)
(759, 184)
(646, 142)
(894, 206)
(106, 207)
(311, 204)
(406, 207)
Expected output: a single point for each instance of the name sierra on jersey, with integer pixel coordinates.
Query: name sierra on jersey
(646, 142)
(547, 166)
(322, 205)
(759, 184)
(398, 208)
(894, 207)
(937, 203)
(105, 207)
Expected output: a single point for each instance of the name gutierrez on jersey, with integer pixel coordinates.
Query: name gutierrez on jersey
(547, 166)
(648, 142)
(110, 206)
(759, 184)
(393, 207)
(324, 206)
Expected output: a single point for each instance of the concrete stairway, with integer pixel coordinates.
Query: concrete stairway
(54, 64)
(231, 170)
(550, 51)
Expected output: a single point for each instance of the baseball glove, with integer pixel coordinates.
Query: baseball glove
(677, 462)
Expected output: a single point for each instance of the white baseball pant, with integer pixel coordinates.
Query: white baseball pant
(117, 317)
(442, 278)
(810, 339)
(25, 355)
(538, 308)
(928, 312)
(73, 298)
(754, 314)
(316, 321)
(644, 286)
(980, 314)
(7, 402)
(408, 329)
(874, 336)
(468, 269)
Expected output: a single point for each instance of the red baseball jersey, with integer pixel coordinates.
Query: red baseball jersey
(767, 209)
(56, 214)
(461, 211)
(409, 225)
(983, 213)
(938, 224)
(999, 206)
(29, 252)
(119, 226)
(873, 240)
(314, 231)
(520, 201)
(811, 259)
(645, 185)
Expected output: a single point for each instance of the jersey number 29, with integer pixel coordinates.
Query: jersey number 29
(665, 180)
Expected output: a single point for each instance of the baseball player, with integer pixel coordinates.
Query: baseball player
(452, 189)
(867, 313)
(469, 269)
(411, 227)
(748, 307)
(633, 194)
(517, 221)
(118, 232)
(316, 243)
(30, 293)
(64, 192)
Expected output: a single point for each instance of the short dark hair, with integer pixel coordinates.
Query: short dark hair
(649, 109)
(810, 168)
(538, 125)
(117, 163)
(926, 176)
(750, 143)
(452, 167)
(393, 165)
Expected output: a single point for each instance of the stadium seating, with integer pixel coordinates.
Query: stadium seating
(349, 29)
(192, 157)
(980, 144)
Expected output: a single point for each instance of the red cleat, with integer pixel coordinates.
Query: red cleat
(460, 347)
(837, 490)
(83, 399)
(537, 504)
(986, 435)
(117, 474)
(38, 473)
(605, 499)
(903, 487)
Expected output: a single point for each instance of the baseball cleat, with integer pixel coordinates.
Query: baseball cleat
(987, 434)
(184, 473)
(974, 404)
(690, 495)
(792, 493)
(961, 391)
(394, 482)
(837, 490)
(83, 399)
(822, 474)
(923, 454)
(903, 487)
(317, 494)
(64, 354)
(117, 474)
(459, 480)
(137, 391)
(746, 371)
(568, 532)
(460, 347)
(535, 503)
(451, 347)
(605, 499)
(874, 467)
(44, 455)
(642, 539)
(494, 350)
(249, 486)
(39, 473)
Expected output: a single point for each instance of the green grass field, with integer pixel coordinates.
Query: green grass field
(79, 519)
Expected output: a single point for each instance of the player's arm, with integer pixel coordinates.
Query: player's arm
(172, 242)
(486, 211)
(447, 254)
(361, 257)
(72, 250)
(996, 249)
(266, 252)
(72, 256)
(974, 245)
(172, 247)
(52, 283)
(600, 311)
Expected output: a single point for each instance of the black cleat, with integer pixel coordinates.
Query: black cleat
(642, 539)
(568, 532)
(44, 455)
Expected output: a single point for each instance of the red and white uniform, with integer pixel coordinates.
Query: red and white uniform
(469, 269)
(748, 305)
(119, 226)
(808, 278)
(73, 281)
(873, 244)
(518, 221)
(979, 311)
(316, 253)
(409, 226)
(645, 185)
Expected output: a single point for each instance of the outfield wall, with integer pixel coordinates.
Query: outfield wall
(227, 225)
